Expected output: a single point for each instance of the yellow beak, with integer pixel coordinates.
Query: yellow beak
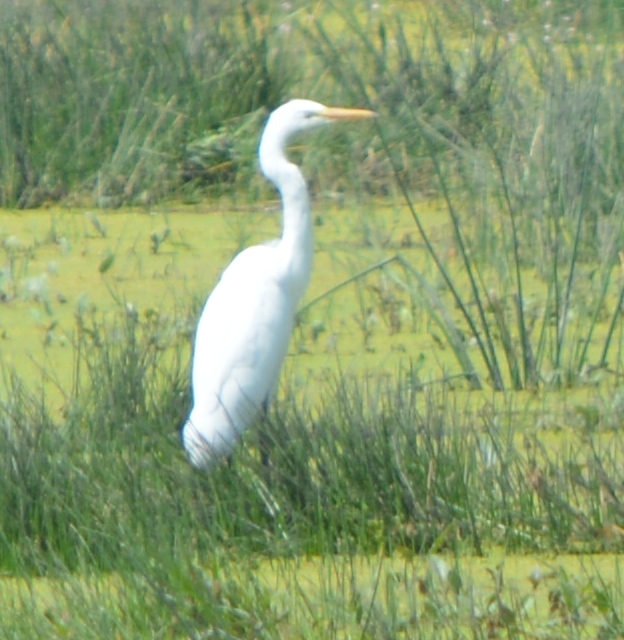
(340, 113)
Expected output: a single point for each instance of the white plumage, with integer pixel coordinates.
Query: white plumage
(244, 330)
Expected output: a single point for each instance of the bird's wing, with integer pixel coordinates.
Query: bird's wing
(241, 341)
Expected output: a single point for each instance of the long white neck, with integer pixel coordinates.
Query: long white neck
(295, 248)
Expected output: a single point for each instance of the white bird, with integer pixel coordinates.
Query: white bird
(244, 330)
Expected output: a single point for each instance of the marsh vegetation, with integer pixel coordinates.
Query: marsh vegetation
(447, 441)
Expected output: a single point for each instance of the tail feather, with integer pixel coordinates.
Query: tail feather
(198, 450)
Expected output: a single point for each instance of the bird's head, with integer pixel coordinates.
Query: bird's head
(300, 115)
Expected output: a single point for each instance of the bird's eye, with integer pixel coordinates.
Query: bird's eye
(308, 114)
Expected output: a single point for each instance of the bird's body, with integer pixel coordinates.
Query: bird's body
(244, 330)
(263, 314)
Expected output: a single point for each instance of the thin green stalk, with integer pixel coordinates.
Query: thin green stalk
(531, 376)
(617, 312)
(507, 342)
(584, 205)
(598, 305)
(491, 359)
(354, 278)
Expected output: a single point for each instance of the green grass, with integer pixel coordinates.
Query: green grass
(447, 440)
(382, 468)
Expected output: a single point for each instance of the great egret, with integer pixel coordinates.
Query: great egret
(243, 332)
